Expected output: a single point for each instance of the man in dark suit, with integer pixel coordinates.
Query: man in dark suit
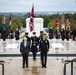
(34, 49)
(44, 48)
(24, 49)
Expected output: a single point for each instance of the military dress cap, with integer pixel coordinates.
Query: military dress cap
(43, 33)
(26, 33)
(34, 32)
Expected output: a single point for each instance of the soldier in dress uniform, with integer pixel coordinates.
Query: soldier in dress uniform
(11, 34)
(50, 33)
(34, 45)
(3, 35)
(17, 33)
(73, 34)
(44, 48)
(63, 34)
(28, 38)
(40, 37)
(67, 34)
(57, 33)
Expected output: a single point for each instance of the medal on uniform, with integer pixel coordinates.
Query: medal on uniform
(34, 44)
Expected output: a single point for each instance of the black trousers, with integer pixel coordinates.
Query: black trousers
(25, 59)
(34, 55)
(43, 58)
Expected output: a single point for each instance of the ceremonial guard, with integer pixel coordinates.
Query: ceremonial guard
(67, 34)
(50, 33)
(63, 34)
(40, 37)
(34, 45)
(28, 38)
(24, 49)
(73, 34)
(57, 33)
(17, 33)
(3, 35)
(11, 34)
(44, 48)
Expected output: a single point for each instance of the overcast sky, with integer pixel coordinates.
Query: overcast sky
(40, 5)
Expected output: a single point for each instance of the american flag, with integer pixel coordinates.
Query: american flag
(31, 23)
(67, 24)
(57, 22)
(10, 23)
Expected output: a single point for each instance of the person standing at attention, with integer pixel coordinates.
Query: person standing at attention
(25, 49)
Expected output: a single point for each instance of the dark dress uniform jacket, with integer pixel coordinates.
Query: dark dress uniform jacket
(34, 44)
(44, 46)
(23, 49)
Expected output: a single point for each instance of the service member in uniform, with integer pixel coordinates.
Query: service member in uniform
(68, 34)
(57, 33)
(40, 37)
(3, 35)
(17, 33)
(28, 38)
(34, 45)
(50, 33)
(63, 34)
(44, 48)
(73, 34)
(24, 49)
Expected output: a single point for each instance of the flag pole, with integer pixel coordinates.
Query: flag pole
(33, 18)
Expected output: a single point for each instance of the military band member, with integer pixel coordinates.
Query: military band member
(24, 49)
(57, 33)
(34, 45)
(3, 35)
(68, 34)
(17, 33)
(63, 34)
(44, 48)
(73, 34)
(11, 34)
(50, 33)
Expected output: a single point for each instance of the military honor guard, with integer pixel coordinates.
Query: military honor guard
(57, 34)
(24, 49)
(62, 34)
(34, 40)
(73, 34)
(3, 35)
(28, 38)
(17, 33)
(44, 48)
(67, 34)
(50, 33)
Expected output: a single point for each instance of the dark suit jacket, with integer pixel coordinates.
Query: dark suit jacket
(25, 49)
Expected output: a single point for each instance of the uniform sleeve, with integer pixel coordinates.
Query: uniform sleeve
(48, 44)
(21, 48)
(40, 45)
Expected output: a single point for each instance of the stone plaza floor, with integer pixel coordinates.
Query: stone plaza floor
(55, 65)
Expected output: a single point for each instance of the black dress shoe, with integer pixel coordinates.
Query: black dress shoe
(26, 66)
(42, 66)
(23, 67)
